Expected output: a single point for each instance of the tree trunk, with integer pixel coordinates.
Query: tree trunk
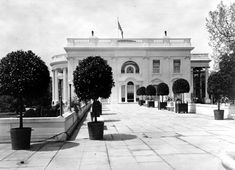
(20, 105)
(218, 103)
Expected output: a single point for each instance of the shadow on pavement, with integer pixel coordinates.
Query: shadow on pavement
(111, 120)
(118, 137)
(52, 146)
(109, 113)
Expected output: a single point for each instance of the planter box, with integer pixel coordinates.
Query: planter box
(181, 107)
(150, 103)
(141, 102)
(162, 105)
(44, 127)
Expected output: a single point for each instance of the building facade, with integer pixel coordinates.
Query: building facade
(135, 63)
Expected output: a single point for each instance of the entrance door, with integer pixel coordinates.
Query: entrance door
(130, 91)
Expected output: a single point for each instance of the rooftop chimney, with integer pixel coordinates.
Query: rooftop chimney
(165, 33)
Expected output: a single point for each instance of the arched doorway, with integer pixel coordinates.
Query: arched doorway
(130, 91)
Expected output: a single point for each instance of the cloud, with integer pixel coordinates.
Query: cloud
(43, 26)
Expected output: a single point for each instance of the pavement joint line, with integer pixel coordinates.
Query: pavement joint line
(8, 155)
(107, 152)
(81, 158)
(196, 147)
(157, 154)
(54, 155)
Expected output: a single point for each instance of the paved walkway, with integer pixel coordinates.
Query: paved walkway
(136, 138)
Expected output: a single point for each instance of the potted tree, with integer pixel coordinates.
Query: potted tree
(93, 78)
(162, 90)
(179, 87)
(141, 92)
(24, 76)
(150, 91)
(217, 87)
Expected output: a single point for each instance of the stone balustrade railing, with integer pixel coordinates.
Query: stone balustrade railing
(130, 42)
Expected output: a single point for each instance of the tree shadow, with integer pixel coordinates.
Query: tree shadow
(111, 120)
(109, 113)
(52, 146)
(118, 137)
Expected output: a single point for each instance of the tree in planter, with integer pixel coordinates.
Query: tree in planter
(93, 78)
(181, 86)
(141, 92)
(150, 91)
(162, 90)
(218, 86)
(23, 75)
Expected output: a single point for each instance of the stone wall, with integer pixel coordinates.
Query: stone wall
(44, 128)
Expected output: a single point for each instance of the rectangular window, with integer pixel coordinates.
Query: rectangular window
(176, 66)
(156, 66)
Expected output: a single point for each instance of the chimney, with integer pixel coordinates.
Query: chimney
(165, 33)
(92, 33)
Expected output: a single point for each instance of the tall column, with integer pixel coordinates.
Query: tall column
(134, 93)
(120, 94)
(206, 78)
(192, 84)
(56, 87)
(53, 86)
(64, 85)
(125, 93)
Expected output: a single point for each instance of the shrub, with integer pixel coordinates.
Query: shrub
(23, 75)
(141, 91)
(93, 78)
(150, 90)
(218, 86)
(180, 86)
(162, 89)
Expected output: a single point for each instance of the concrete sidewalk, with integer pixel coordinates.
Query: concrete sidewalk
(136, 138)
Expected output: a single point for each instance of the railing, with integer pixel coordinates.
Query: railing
(60, 57)
(130, 42)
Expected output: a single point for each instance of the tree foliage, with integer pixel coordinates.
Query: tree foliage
(150, 90)
(141, 91)
(227, 69)
(93, 78)
(23, 75)
(162, 89)
(180, 86)
(221, 27)
(218, 85)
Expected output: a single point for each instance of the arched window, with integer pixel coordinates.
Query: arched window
(130, 69)
(126, 67)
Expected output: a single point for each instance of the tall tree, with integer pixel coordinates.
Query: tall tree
(23, 75)
(221, 27)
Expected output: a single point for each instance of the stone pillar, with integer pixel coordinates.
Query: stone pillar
(192, 83)
(120, 94)
(53, 86)
(56, 95)
(206, 79)
(125, 93)
(134, 93)
(64, 85)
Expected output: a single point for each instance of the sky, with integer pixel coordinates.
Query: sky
(43, 25)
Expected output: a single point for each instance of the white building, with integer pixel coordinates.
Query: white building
(135, 62)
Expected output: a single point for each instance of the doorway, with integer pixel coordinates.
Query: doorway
(130, 91)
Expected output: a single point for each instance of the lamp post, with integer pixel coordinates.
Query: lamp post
(70, 100)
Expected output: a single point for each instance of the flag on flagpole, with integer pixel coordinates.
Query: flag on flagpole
(120, 28)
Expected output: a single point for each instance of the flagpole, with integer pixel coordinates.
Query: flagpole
(117, 29)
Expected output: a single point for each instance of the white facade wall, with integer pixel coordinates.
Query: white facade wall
(139, 52)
